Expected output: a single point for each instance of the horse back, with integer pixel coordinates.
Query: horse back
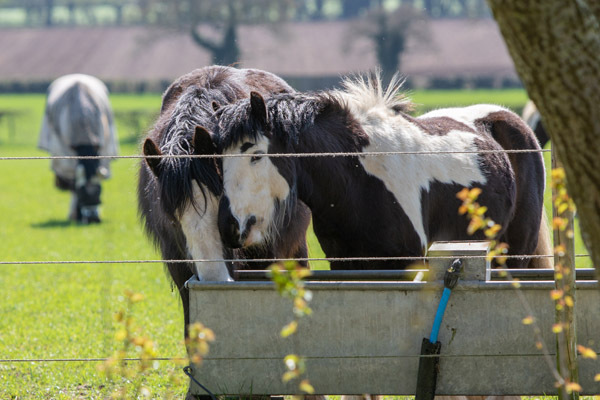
(235, 83)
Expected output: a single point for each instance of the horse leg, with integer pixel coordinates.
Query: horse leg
(74, 212)
(87, 185)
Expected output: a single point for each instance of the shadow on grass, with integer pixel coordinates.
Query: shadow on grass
(53, 223)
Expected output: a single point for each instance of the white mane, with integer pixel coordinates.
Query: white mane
(364, 92)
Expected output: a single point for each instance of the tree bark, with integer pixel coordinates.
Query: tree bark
(555, 45)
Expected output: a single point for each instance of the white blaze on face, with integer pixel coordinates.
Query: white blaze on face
(253, 185)
(202, 236)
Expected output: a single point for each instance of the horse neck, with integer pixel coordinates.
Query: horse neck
(332, 176)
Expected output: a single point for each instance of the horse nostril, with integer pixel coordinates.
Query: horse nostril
(251, 221)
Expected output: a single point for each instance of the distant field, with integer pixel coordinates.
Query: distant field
(65, 311)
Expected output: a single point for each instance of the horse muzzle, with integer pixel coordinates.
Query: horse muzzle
(233, 234)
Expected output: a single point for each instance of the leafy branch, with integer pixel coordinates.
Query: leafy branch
(288, 278)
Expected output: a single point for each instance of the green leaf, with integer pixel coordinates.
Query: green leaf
(289, 329)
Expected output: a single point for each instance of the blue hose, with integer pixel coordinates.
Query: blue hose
(439, 315)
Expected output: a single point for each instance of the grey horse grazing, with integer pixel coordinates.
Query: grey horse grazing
(79, 121)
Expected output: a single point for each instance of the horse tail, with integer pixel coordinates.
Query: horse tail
(544, 246)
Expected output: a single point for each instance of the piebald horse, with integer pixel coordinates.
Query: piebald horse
(178, 198)
(382, 205)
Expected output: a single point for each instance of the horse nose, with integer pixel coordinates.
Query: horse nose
(251, 221)
(229, 226)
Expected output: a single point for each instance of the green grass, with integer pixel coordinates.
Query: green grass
(65, 311)
(514, 99)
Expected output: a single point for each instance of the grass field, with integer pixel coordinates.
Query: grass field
(66, 311)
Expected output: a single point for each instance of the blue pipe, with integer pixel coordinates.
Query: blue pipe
(439, 315)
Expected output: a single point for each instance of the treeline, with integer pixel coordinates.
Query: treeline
(140, 12)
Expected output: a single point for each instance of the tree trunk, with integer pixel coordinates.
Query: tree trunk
(227, 51)
(556, 46)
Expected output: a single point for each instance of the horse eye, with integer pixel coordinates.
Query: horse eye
(256, 159)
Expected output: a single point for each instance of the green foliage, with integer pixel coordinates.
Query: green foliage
(288, 278)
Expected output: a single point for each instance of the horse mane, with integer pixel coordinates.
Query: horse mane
(363, 92)
(291, 113)
(193, 108)
(288, 115)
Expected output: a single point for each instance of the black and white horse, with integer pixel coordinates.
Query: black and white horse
(178, 198)
(389, 205)
(79, 121)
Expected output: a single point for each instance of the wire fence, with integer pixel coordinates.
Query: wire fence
(262, 260)
(278, 155)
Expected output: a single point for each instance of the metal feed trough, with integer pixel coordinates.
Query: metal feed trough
(365, 336)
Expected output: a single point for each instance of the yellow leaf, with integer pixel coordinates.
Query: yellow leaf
(556, 294)
(573, 387)
(289, 329)
(558, 276)
(586, 352)
(288, 376)
(558, 174)
(557, 328)
(562, 208)
(559, 223)
(492, 231)
(304, 272)
(120, 335)
(202, 348)
(528, 320)
(569, 301)
(474, 193)
(462, 195)
(139, 340)
(597, 378)
(481, 210)
(136, 297)
(306, 387)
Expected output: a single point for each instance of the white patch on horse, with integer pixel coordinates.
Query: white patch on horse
(256, 185)
(466, 115)
(407, 175)
(202, 236)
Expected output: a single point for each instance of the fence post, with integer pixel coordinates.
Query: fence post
(564, 279)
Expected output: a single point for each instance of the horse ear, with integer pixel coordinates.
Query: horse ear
(258, 107)
(215, 105)
(151, 149)
(203, 143)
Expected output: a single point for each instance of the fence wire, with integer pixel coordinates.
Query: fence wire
(276, 260)
(278, 155)
(272, 260)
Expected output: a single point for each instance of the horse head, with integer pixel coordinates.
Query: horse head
(264, 187)
(189, 190)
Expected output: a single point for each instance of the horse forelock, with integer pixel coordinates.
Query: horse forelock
(193, 108)
(288, 115)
